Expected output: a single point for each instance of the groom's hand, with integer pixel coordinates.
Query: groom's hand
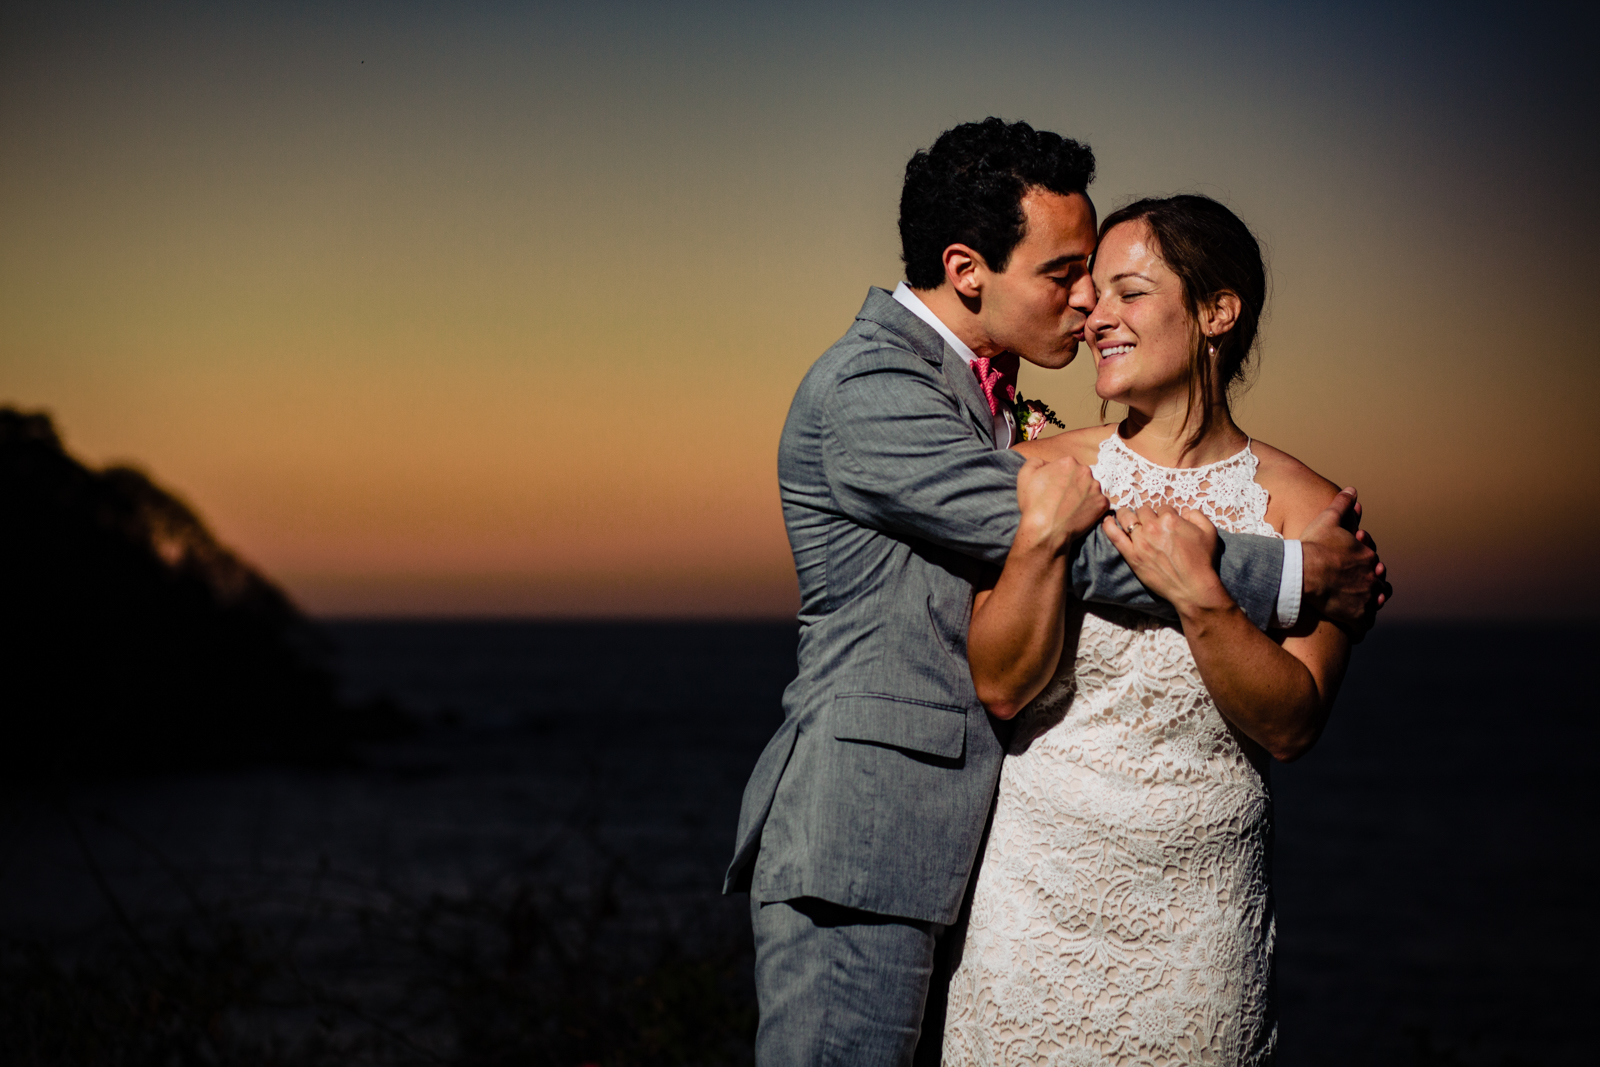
(1345, 582)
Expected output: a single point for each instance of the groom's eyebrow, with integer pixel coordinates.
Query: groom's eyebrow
(1060, 261)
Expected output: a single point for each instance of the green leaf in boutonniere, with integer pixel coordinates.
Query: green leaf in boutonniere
(1032, 417)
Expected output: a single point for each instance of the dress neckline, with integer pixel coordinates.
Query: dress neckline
(1116, 440)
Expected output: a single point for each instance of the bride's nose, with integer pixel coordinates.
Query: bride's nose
(1100, 319)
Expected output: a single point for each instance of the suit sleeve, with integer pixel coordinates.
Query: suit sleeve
(902, 457)
(1250, 568)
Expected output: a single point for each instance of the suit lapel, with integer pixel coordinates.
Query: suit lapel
(965, 384)
(882, 308)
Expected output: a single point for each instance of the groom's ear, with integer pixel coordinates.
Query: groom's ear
(961, 270)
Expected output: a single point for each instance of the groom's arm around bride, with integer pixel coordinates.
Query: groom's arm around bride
(862, 820)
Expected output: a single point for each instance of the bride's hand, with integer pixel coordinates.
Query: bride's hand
(1173, 555)
(1060, 502)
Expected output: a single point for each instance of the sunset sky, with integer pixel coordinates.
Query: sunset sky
(498, 308)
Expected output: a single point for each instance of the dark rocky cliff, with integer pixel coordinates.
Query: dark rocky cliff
(131, 639)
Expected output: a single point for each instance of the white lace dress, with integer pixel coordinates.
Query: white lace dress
(1123, 911)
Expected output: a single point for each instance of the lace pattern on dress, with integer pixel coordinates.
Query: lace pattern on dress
(1225, 491)
(1122, 913)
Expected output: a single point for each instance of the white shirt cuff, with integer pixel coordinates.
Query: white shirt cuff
(1289, 589)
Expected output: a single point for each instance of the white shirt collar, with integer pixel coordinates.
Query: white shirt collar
(904, 294)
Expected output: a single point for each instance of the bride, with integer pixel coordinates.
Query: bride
(1123, 910)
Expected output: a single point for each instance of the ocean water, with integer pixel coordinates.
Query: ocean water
(1434, 861)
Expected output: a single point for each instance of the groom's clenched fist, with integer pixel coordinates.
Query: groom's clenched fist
(1345, 582)
(1060, 502)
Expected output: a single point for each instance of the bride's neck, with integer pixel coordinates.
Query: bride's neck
(1162, 436)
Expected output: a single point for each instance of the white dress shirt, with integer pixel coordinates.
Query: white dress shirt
(1290, 585)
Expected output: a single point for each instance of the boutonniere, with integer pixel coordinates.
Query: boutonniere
(1033, 416)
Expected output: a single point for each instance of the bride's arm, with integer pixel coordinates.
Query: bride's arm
(1014, 641)
(1279, 695)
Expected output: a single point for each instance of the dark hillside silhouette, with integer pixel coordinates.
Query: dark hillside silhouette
(130, 639)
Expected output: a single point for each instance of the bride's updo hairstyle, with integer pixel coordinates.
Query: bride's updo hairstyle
(1212, 252)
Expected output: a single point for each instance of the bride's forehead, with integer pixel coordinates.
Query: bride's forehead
(1129, 239)
(1125, 245)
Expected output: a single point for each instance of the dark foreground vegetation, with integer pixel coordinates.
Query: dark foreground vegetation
(130, 639)
(133, 643)
(534, 970)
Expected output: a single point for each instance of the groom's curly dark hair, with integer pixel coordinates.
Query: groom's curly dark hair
(968, 189)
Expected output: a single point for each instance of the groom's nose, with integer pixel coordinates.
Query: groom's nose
(1082, 295)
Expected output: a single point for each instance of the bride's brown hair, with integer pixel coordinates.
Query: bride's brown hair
(1212, 252)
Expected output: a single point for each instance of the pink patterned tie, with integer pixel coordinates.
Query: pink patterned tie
(998, 371)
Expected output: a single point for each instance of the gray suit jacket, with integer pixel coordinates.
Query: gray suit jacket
(874, 792)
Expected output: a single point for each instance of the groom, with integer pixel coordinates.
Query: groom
(863, 817)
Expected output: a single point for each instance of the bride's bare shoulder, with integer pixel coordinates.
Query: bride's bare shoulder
(1082, 445)
(1295, 492)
